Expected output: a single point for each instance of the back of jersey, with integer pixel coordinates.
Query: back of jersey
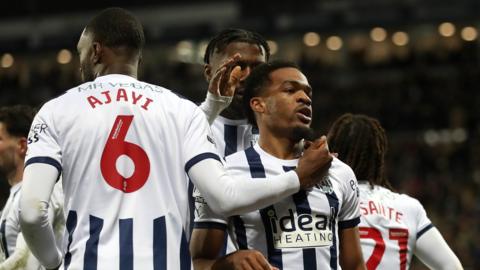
(389, 227)
(123, 146)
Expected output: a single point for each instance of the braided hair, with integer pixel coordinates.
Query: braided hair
(361, 142)
(227, 36)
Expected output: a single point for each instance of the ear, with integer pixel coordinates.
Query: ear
(207, 72)
(22, 146)
(97, 52)
(257, 104)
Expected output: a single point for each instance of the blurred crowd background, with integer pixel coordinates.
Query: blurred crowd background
(414, 65)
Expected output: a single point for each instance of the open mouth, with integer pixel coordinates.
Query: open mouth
(305, 115)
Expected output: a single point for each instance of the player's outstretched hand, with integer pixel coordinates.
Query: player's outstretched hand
(226, 77)
(243, 260)
(314, 163)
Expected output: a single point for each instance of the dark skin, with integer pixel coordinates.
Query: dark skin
(285, 106)
(236, 60)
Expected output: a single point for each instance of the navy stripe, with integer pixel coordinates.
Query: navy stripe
(303, 207)
(230, 138)
(90, 258)
(159, 244)
(333, 202)
(255, 163)
(346, 224)
(4, 238)
(71, 224)
(223, 252)
(274, 255)
(240, 232)
(424, 230)
(257, 170)
(46, 160)
(191, 207)
(210, 225)
(126, 243)
(199, 158)
(185, 261)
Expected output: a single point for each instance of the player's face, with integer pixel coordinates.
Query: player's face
(9, 151)
(85, 51)
(251, 56)
(287, 102)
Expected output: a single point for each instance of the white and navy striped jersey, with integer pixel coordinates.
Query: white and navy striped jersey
(10, 223)
(390, 225)
(233, 135)
(8, 228)
(300, 232)
(124, 147)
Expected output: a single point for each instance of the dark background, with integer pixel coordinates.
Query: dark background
(425, 93)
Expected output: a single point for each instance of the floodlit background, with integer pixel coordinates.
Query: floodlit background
(413, 64)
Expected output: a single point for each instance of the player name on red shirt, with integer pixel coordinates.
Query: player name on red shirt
(375, 208)
(121, 95)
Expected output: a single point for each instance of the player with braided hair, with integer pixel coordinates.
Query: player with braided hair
(393, 226)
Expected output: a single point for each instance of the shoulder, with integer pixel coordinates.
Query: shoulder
(340, 170)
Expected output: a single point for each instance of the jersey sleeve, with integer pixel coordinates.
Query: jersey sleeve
(349, 214)
(423, 222)
(199, 142)
(205, 218)
(43, 146)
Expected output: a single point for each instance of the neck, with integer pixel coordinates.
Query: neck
(15, 176)
(279, 146)
(119, 68)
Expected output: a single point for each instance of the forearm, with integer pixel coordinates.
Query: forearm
(214, 105)
(34, 215)
(232, 196)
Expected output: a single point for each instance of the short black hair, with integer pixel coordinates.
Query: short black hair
(361, 142)
(256, 82)
(230, 35)
(116, 27)
(17, 119)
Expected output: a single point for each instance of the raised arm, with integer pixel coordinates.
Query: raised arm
(232, 196)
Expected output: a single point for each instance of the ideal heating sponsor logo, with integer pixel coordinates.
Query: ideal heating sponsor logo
(304, 230)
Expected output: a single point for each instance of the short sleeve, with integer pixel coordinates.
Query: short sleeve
(43, 145)
(423, 222)
(199, 142)
(349, 215)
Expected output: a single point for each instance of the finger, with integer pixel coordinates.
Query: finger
(234, 78)
(215, 81)
(262, 263)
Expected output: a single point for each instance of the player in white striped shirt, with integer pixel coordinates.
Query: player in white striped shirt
(393, 226)
(315, 229)
(235, 51)
(15, 124)
(126, 150)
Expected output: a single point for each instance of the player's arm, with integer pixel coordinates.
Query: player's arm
(350, 251)
(38, 182)
(434, 251)
(230, 196)
(221, 88)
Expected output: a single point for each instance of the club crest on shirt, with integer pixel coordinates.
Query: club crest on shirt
(325, 186)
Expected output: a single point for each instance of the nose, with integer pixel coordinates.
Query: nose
(304, 98)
